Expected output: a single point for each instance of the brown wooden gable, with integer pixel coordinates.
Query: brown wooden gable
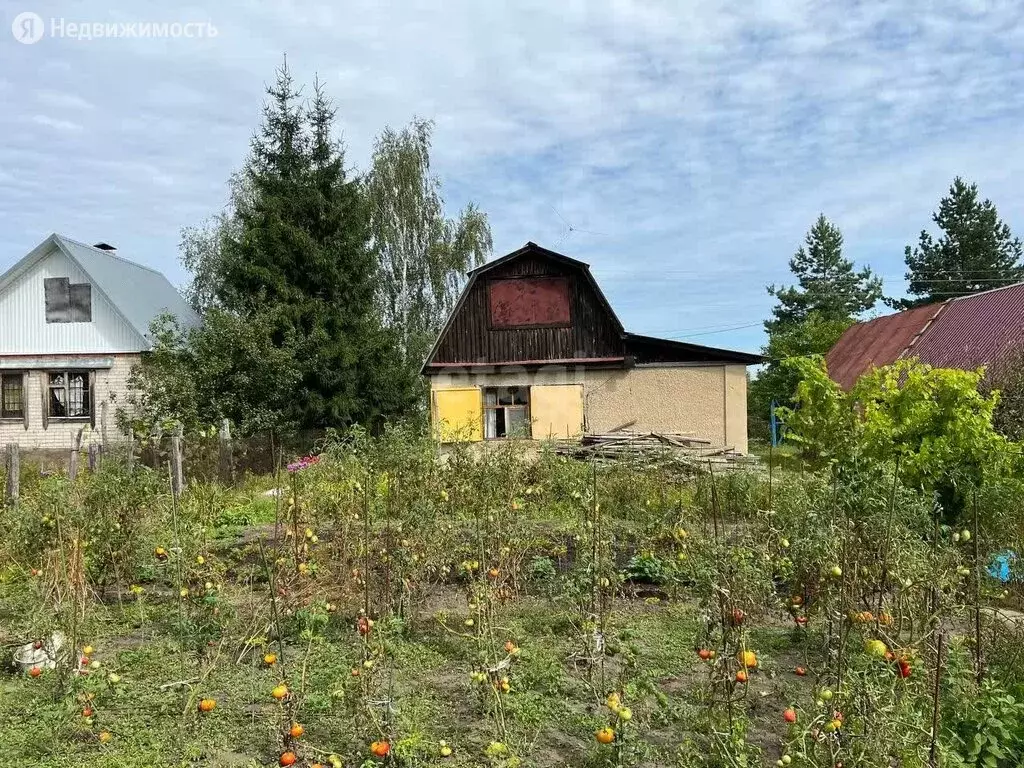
(530, 307)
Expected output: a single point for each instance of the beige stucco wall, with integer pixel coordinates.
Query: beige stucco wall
(111, 390)
(707, 401)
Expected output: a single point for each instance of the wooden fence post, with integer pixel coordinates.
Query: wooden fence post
(226, 460)
(131, 451)
(76, 448)
(94, 457)
(177, 474)
(13, 465)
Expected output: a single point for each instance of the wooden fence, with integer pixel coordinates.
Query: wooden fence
(221, 458)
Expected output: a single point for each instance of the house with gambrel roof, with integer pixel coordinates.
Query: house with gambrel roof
(74, 319)
(534, 350)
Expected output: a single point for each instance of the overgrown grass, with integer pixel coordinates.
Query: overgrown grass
(509, 598)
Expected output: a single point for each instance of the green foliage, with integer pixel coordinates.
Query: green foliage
(827, 286)
(809, 317)
(542, 570)
(814, 335)
(988, 731)
(301, 265)
(230, 368)
(934, 420)
(646, 567)
(287, 280)
(822, 420)
(162, 387)
(1007, 377)
(976, 251)
(425, 545)
(422, 255)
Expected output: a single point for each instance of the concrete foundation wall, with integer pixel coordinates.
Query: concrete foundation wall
(706, 401)
(59, 434)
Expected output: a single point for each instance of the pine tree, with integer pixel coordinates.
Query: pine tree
(827, 286)
(976, 251)
(809, 317)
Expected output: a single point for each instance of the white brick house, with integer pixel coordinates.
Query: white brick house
(74, 319)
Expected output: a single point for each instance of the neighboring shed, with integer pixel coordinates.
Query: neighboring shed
(534, 349)
(74, 319)
(966, 332)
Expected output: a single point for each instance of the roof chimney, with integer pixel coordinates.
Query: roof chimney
(105, 247)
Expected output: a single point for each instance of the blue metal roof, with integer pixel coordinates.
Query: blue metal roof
(139, 293)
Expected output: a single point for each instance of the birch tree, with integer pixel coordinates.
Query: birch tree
(422, 255)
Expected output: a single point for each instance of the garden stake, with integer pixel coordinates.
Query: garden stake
(885, 544)
(979, 670)
(932, 757)
(179, 576)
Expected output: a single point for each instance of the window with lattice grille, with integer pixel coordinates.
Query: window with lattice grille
(12, 396)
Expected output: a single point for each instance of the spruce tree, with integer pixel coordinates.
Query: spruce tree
(975, 252)
(299, 261)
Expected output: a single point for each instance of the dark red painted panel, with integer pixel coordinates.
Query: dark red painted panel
(529, 301)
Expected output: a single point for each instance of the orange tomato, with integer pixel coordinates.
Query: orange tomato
(280, 692)
(296, 731)
(287, 758)
(207, 705)
(380, 749)
(605, 736)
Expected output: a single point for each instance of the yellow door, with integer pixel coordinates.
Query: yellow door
(458, 414)
(556, 411)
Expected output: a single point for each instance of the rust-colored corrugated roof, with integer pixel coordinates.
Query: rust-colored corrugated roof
(965, 332)
(877, 342)
(974, 330)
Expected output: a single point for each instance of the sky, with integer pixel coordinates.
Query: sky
(681, 148)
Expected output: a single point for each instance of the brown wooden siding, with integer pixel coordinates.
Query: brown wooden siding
(470, 338)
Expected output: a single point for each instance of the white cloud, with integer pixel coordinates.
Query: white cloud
(58, 124)
(699, 139)
(60, 100)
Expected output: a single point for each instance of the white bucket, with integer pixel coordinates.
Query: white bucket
(44, 657)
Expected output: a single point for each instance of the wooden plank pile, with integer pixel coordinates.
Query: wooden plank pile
(673, 451)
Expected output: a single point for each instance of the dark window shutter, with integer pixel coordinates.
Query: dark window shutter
(44, 389)
(58, 299)
(92, 399)
(80, 299)
(24, 397)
